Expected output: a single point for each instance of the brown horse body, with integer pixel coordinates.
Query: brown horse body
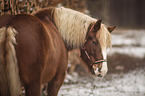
(33, 49)
(40, 51)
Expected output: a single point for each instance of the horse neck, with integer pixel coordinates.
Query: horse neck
(42, 14)
(72, 25)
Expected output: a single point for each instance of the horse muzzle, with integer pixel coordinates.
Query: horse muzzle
(100, 71)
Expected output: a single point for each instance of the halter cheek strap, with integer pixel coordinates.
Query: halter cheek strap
(93, 63)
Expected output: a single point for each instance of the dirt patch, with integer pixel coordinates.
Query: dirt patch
(124, 45)
(124, 63)
(117, 63)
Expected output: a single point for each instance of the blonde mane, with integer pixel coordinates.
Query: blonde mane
(73, 27)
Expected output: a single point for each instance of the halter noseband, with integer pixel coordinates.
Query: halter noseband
(96, 62)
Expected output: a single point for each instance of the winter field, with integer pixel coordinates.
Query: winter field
(126, 76)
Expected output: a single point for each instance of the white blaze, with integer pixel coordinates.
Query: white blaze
(104, 64)
(104, 68)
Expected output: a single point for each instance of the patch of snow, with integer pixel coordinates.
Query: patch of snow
(131, 42)
(130, 84)
(132, 51)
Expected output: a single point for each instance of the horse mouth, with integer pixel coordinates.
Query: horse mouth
(95, 70)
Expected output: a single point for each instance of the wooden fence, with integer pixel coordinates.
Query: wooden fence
(28, 6)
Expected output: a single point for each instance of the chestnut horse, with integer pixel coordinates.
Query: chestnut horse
(74, 27)
(33, 49)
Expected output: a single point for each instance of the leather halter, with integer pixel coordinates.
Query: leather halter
(96, 62)
(86, 53)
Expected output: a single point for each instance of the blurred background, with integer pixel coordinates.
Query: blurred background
(126, 59)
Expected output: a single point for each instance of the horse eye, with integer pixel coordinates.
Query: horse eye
(94, 42)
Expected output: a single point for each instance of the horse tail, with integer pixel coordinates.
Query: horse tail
(9, 73)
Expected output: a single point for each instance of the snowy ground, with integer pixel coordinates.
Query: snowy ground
(132, 83)
(131, 42)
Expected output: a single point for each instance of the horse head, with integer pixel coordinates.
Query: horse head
(94, 50)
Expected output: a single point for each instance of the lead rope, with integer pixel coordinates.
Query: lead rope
(92, 79)
(93, 86)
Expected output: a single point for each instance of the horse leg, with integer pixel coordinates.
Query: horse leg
(32, 82)
(55, 84)
(33, 89)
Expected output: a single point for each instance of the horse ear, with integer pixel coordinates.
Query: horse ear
(97, 25)
(110, 29)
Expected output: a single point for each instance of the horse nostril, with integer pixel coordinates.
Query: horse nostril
(99, 70)
(99, 75)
